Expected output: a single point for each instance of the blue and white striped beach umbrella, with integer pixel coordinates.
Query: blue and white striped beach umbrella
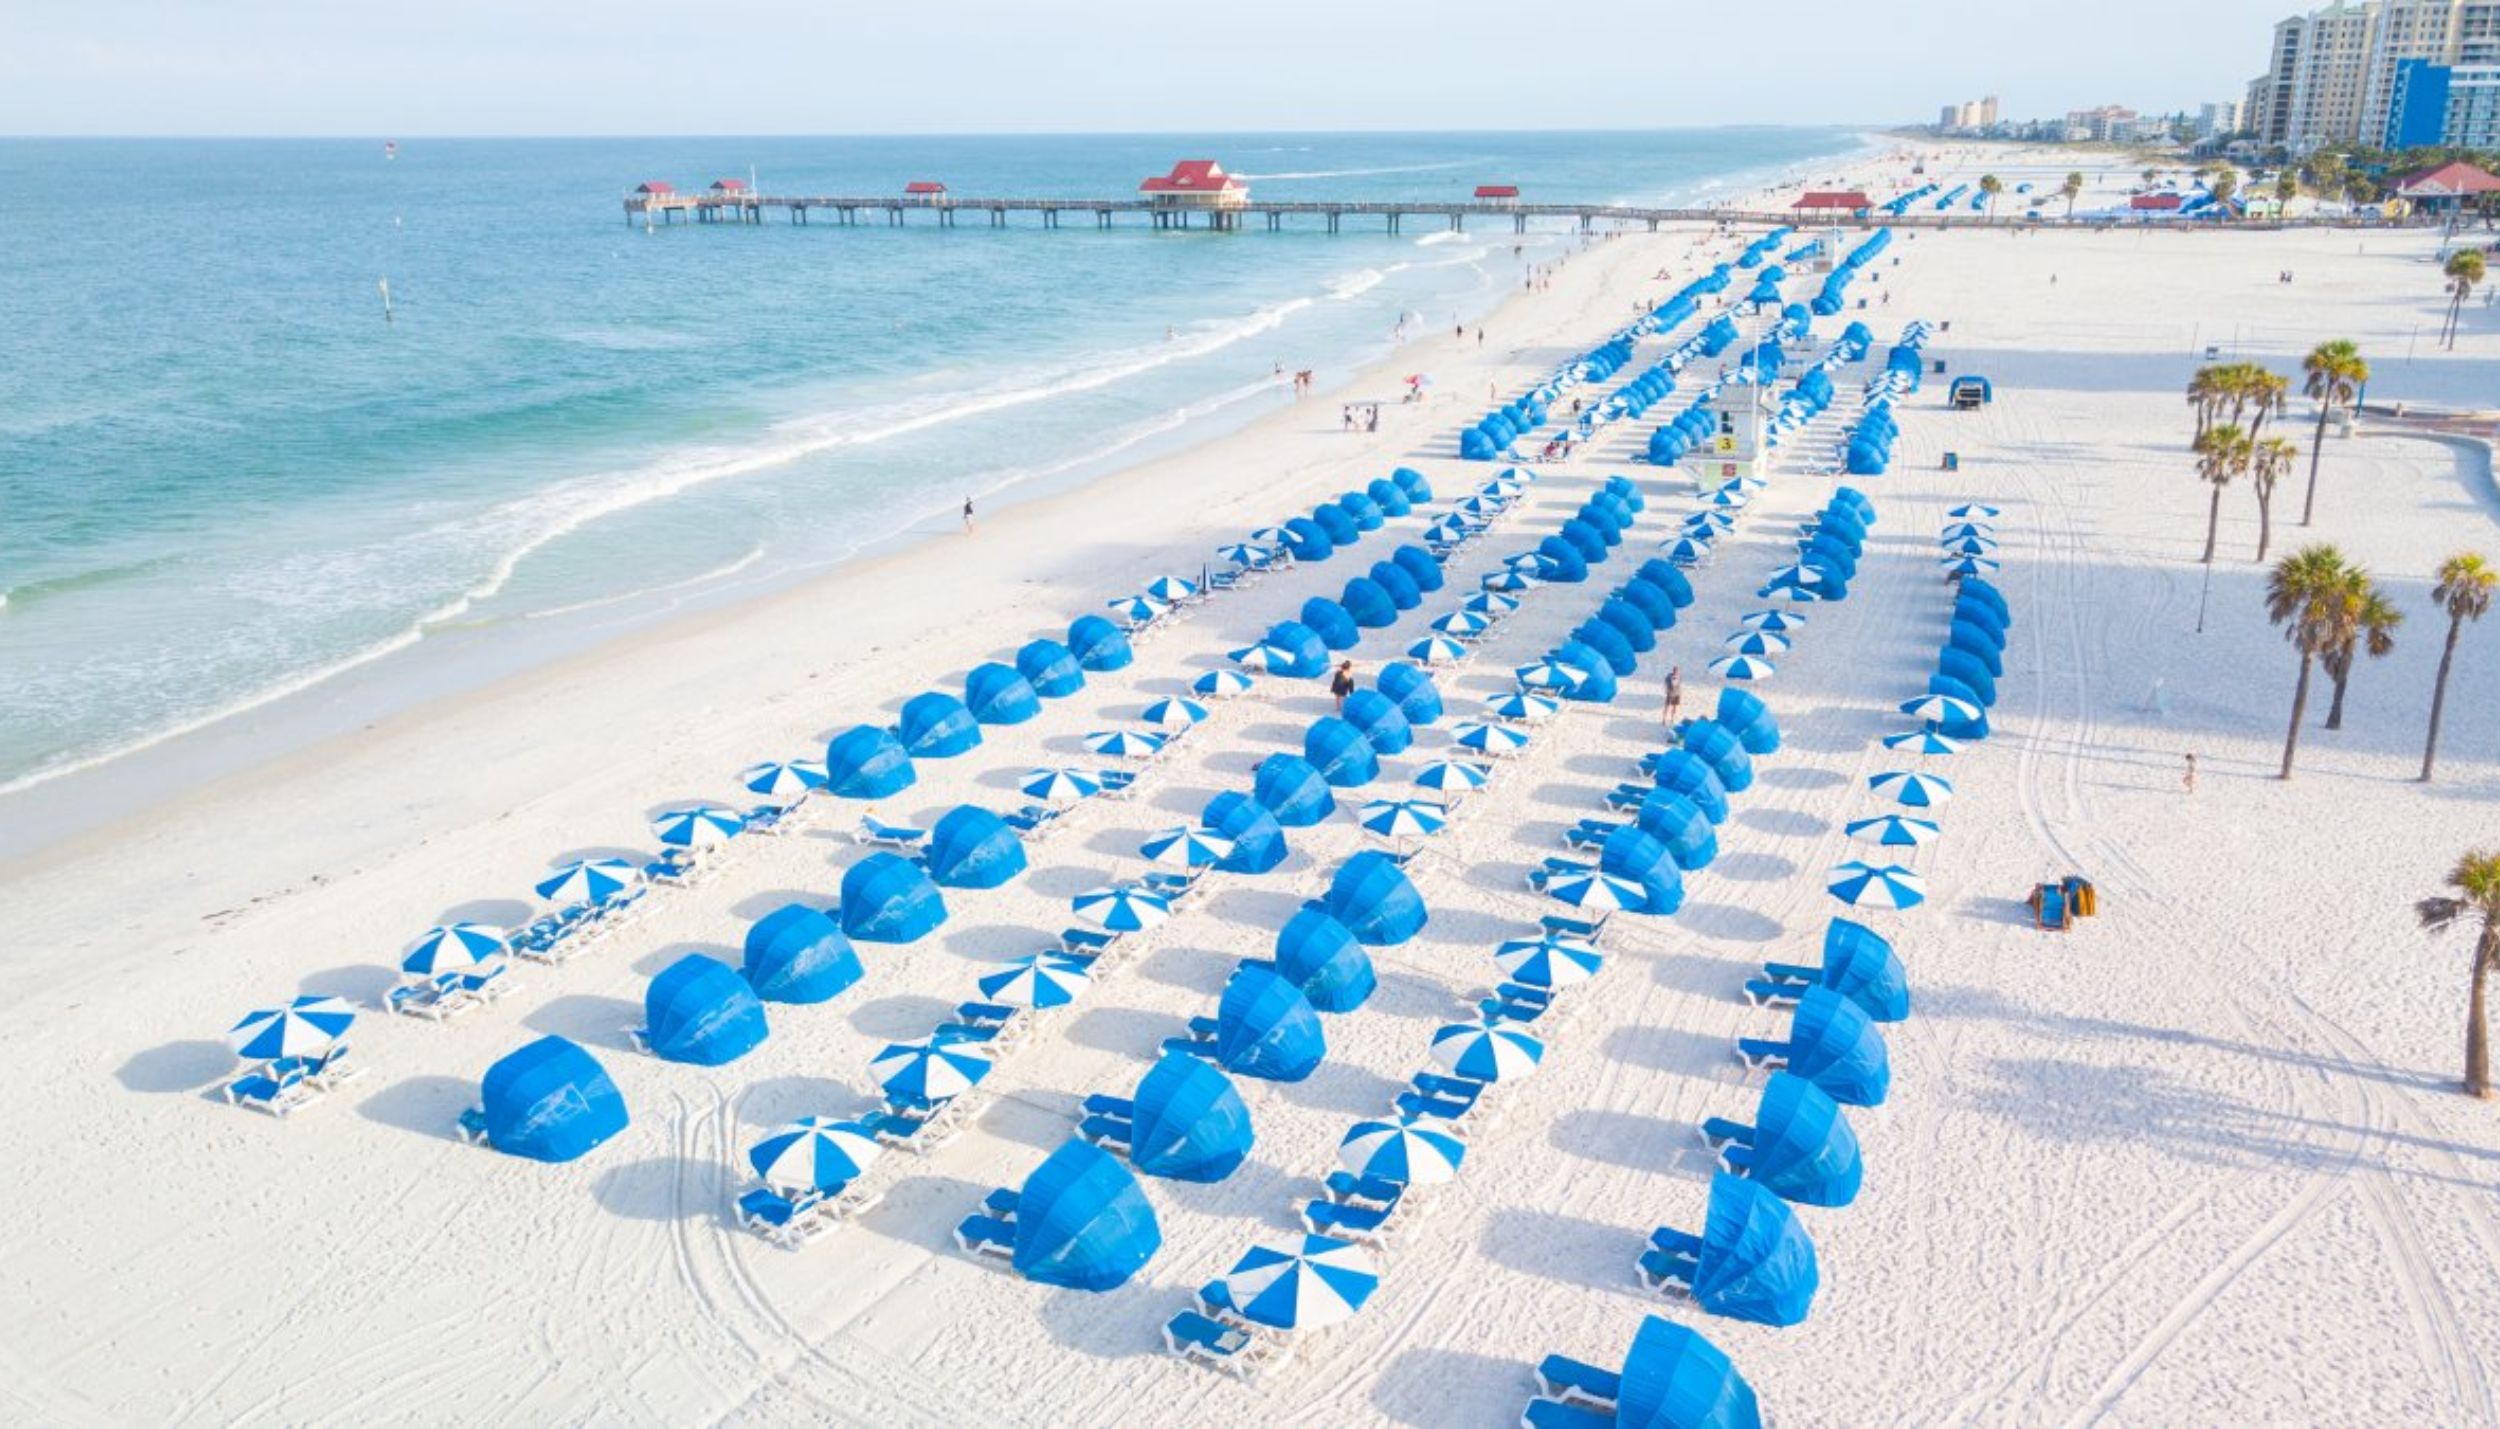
(1729, 497)
(1915, 791)
(1174, 713)
(1437, 650)
(1492, 603)
(1590, 888)
(1517, 475)
(1969, 565)
(1059, 786)
(1549, 674)
(698, 826)
(1790, 590)
(1785, 622)
(1509, 482)
(1870, 885)
(1262, 658)
(1974, 512)
(1486, 1051)
(1321, 1282)
(1221, 684)
(1510, 582)
(1461, 624)
(1268, 536)
(1186, 847)
(1137, 609)
(1714, 522)
(306, 1027)
(1802, 573)
(1409, 1150)
(1529, 561)
(1743, 667)
(1688, 550)
(1449, 530)
(453, 947)
(1122, 910)
(1968, 546)
(1490, 738)
(785, 780)
(929, 1071)
(1039, 981)
(1758, 642)
(1124, 743)
(1171, 590)
(1480, 504)
(1959, 529)
(1922, 741)
(589, 880)
(1548, 962)
(1938, 708)
(1453, 776)
(1523, 706)
(1403, 818)
(1895, 830)
(814, 1153)
(1244, 553)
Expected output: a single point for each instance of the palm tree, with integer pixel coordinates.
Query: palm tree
(2466, 582)
(2224, 183)
(2221, 454)
(2310, 595)
(2259, 392)
(2268, 460)
(2286, 187)
(2476, 879)
(2375, 619)
(2072, 190)
(1991, 186)
(2337, 373)
(2204, 393)
(2464, 269)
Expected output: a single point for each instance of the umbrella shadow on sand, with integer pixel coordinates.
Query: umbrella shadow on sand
(593, 1021)
(663, 1188)
(1419, 1385)
(1104, 1327)
(1558, 1247)
(1618, 1138)
(177, 1067)
(428, 1106)
(364, 984)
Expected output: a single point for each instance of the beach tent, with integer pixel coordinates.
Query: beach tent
(1630, 853)
(1744, 712)
(1287, 786)
(1563, 561)
(1370, 605)
(1370, 894)
(1365, 512)
(1716, 744)
(550, 1101)
(1421, 567)
(1321, 956)
(1189, 1122)
(1683, 772)
(1332, 622)
(1833, 1044)
(1596, 684)
(1342, 529)
(699, 1010)
(1859, 964)
(1307, 540)
(973, 848)
(1621, 659)
(887, 899)
(1382, 723)
(1266, 1028)
(1258, 840)
(1390, 497)
(1099, 645)
(1756, 1261)
(1802, 1147)
(996, 694)
(936, 725)
(1651, 602)
(1630, 622)
(1678, 822)
(798, 954)
(1050, 668)
(1974, 727)
(1082, 1223)
(1418, 698)
(1306, 654)
(1675, 1379)
(1585, 538)
(1956, 663)
(865, 762)
(1392, 577)
(1677, 586)
(1412, 482)
(1340, 753)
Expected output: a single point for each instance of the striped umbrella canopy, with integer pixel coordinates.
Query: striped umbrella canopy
(452, 947)
(1922, 741)
(1876, 885)
(1895, 830)
(1174, 713)
(1712, 521)
(1960, 529)
(1486, 1051)
(1688, 550)
(1124, 743)
(1268, 535)
(1436, 650)
(1528, 561)
(1462, 624)
(1137, 609)
(1409, 1150)
(1974, 512)
(1783, 621)
(1503, 486)
(1790, 590)
(1403, 818)
(1522, 705)
(1915, 791)
(1492, 603)
(1938, 708)
(1170, 589)
(1122, 910)
(1446, 530)
(698, 826)
(814, 1153)
(929, 1071)
(1453, 776)
(1588, 888)
(589, 880)
(788, 781)
(1730, 497)
(1262, 658)
(1185, 847)
(1319, 1283)
(1481, 504)
(1743, 667)
(1522, 475)
(1548, 962)
(306, 1027)
(1037, 981)
(1970, 565)
(1758, 642)
(1510, 581)
(1802, 573)
(1549, 674)
(1968, 546)
(1221, 684)
(1490, 738)
(1059, 786)
(1244, 553)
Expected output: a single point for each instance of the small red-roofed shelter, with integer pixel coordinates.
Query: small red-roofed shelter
(1196, 183)
(1849, 201)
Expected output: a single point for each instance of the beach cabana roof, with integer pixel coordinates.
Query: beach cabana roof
(886, 898)
(1756, 1261)
(1082, 1222)
(1803, 1149)
(1833, 1044)
(1191, 1123)
(1320, 955)
(1675, 1379)
(1372, 896)
(972, 847)
(1266, 1028)
(700, 1011)
(798, 954)
(867, 762)
(551, 1101)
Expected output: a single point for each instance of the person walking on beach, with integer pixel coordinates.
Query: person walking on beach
(2188, 779)
(1341, 684)
(967, 515)
(1675, 693)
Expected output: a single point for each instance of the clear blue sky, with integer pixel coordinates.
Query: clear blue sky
(368, 67)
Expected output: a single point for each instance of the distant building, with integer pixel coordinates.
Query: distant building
(1848, 201)
(655, 188)
(729, 186)
(1196, 184)
(1971, 116)
(2349, 73)
(2156, 203)
(1499, 195)
(2446, 187)
(925, 192)
(2215, 121)
(2455, 106)
(2111, 123)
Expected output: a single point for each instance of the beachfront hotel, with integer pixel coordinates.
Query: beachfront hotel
(2368, 72)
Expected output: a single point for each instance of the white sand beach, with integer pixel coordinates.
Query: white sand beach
(2199, 1160)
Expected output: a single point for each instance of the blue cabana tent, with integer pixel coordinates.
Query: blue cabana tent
(1258, 840)
(1662, 574)
(1307, 540)
(1333, 623)
(1956, 663)
(1340, 753)
(1190, 1123)
(1678, 822)
(1973, 728)
(1803, 1149)
(1365, 512)
(887, 899)
(1412, 482)
(1987, 648)
(1099, 645)
(1341, 528)
(1833, 1044)
(699, 1010)
(1421, 567)
(1630, 853)
(1309, 653)
(550, 1101)
(973, 848)
(1266, 1028)
(1683, 772)
(1675, 1379)
(996, 694)
(1370, 605)
(1630, 622)
(1392, 577)
(1389, 497)
(1744, 712)
(1370, 894)
(1050, 668)
(1598, 685)
(1725, 753)
(1081, 1221)
(866, 762)
(1650, 601)
(1287, 786)
(1585, 538)
(1418, 698)
(1563, 561)
(798, 954)
(1621, 659)
(1859, 964)
(1382, 723)
(1321, 956)
(1756, 1261)
(936, 725)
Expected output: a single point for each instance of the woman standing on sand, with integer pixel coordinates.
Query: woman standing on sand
(1675, 693)
(1342, 683)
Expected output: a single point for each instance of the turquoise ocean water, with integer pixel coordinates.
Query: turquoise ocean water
(223, 476)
